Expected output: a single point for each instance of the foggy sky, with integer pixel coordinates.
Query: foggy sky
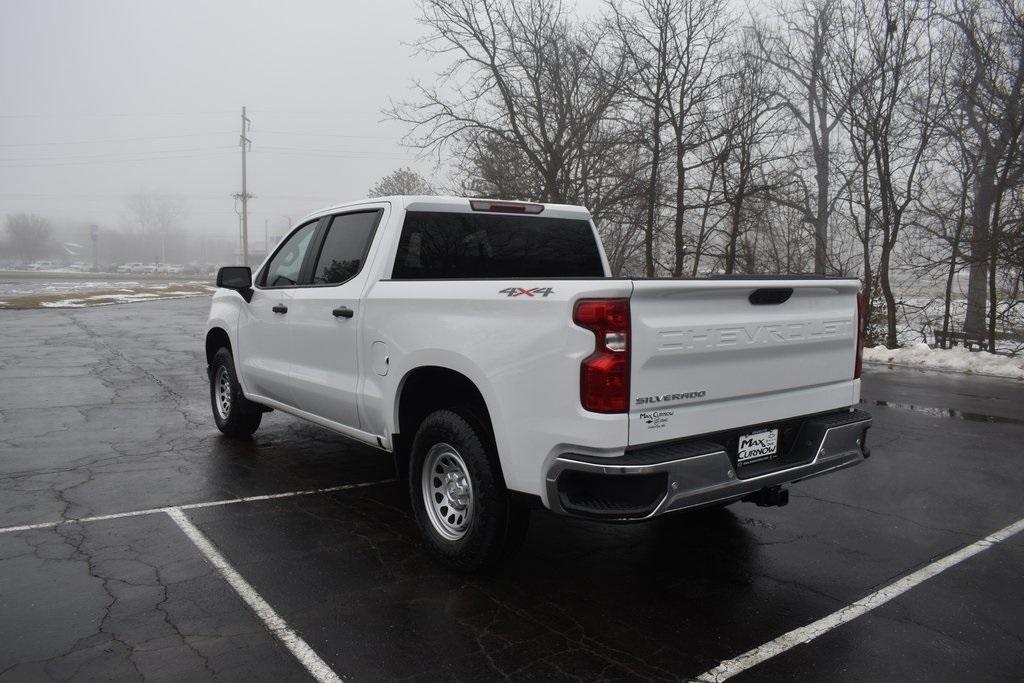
(311, 73)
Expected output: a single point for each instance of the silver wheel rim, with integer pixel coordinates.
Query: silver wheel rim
(447, 492)
(222, 393)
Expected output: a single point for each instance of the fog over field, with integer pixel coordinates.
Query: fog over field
(104, 101)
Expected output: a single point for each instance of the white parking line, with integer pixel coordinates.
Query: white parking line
(316, 667)
(806, 634)
(193, 506)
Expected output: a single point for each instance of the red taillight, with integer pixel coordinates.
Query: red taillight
(861, 325)
(604, 374)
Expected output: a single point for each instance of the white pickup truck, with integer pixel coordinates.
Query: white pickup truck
(486, 345)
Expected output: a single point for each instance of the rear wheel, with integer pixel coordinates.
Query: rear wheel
(235, 415)
(464, 513)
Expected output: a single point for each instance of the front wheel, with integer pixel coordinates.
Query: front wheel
(464, 513)
(235, 415)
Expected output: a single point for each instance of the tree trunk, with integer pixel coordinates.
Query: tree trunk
(677, 268)
(698, 250)
(977, 284)
(737, 212)
(869, 285)
(652, 195)
(821, 174)
(993, 293)
(951, 275)
(891, 337)
(948, 302)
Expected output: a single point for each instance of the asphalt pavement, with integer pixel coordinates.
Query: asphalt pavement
(105, 428)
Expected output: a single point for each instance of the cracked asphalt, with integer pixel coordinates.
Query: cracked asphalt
(105, 410)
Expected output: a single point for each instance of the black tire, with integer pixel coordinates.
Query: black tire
(497, 523)
(240, 417)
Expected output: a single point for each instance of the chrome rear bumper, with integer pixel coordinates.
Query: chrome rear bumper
(694, 473)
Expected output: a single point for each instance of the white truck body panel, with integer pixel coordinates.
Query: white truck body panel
(522, 354)
(754, 363)
(703, 355)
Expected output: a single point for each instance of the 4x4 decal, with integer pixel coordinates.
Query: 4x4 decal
(530, 292)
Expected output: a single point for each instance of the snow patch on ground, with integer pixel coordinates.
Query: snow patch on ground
(108, 299)
(64, 303)
(956, 359)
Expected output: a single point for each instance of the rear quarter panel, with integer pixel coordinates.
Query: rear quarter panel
(522, 352)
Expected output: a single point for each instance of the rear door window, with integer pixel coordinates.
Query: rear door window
(439, 245)
(345, 247)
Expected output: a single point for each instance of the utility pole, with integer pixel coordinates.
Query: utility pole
(94, 233)
(244, 142)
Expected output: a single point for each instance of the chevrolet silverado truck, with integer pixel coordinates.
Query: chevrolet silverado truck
(486, 345)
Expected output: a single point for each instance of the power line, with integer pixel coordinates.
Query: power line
(310, 154)
(111, 211)
(195, 196)
(333, 135)
(316, 113)
(115, 161)
(322, 150)
(98, 197)
(115, 154)
(85, 160)
(93, 142)
(50, 115)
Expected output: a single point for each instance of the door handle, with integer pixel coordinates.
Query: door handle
(343, 312)
(279, 309)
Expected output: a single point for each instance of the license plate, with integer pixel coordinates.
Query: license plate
(758, 446)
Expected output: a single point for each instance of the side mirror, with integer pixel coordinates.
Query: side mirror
(238, 278)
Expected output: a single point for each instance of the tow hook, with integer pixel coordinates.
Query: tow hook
(772, 496)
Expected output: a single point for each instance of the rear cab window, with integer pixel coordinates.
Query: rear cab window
(448, 245)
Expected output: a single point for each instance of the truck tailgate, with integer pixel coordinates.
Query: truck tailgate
(711, 355)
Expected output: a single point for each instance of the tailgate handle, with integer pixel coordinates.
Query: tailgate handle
(770, 296)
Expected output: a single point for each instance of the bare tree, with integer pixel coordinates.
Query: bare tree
(495, 168)
(990, 86)
(646, 30)
(879, 138)
(521, 73)
(28, 236)
(751, 134)
(157, 215)
(944, 224)
(803, 51)
(401, 181)
(699, 50)
(892, 119)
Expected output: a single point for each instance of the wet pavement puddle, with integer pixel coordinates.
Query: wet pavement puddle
(945, 412)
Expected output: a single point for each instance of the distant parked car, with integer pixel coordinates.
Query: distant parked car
(147, 269)
(133, 267)
(43, 265)
(175, 270)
